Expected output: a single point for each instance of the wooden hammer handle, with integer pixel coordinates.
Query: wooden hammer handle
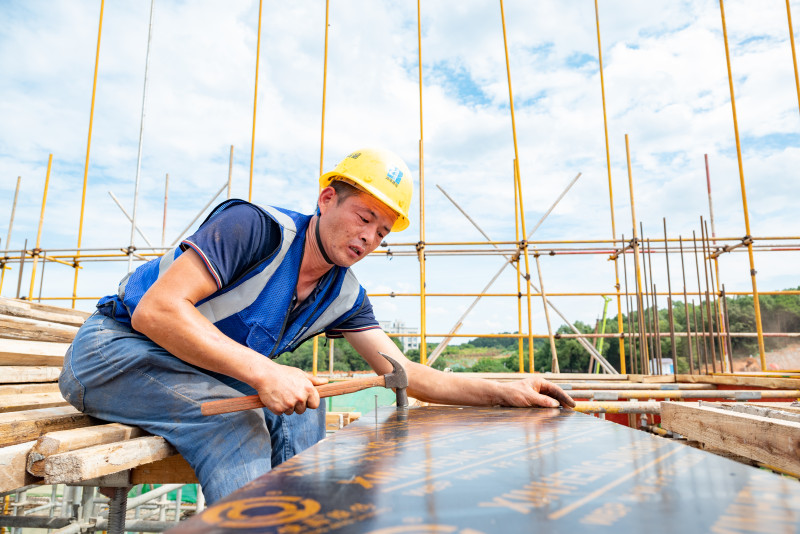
(326, 390)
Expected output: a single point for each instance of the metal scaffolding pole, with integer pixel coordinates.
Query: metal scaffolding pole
(794, 54)
(637, 263)
(86, 163)
(756, 304)
(255, 103)
(423, 344)
(518, 181)
(610, 192)
(131, 247)
(8, 237)
(35, 252)
(315, 341)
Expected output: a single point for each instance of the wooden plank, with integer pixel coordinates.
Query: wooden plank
(22, 328)
(18, 427)
(654, 379)
(771, 441)
(22, 389)
(101, 460)
(32, 401)
(27, 352)
(172, 470)
(78, 438)
(333, 421)
(18, 374)
(43, 312)
(12, 467)
(764, 410)
(752, 381)
(553, 377)
(791, 407)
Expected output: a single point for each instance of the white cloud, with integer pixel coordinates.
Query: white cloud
(666, 86)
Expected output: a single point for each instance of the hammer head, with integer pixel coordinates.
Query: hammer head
(398, 380)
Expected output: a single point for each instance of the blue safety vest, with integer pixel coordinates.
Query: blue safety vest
(254, 310)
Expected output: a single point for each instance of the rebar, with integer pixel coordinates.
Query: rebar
(686, 313)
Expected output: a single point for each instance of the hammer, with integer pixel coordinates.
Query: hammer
(396, 379)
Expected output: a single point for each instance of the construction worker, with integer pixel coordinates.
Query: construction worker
(196, 324)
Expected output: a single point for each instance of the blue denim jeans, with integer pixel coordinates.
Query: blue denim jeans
(114, 373)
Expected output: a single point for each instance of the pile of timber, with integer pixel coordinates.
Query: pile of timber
(44, 440)
(763, 434)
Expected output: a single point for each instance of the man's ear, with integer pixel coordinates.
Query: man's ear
(326, 198)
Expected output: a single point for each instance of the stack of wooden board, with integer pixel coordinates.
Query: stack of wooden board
(45, 440)
(767, 433)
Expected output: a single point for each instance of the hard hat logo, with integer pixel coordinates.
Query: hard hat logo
(394, 175)
(365, 168)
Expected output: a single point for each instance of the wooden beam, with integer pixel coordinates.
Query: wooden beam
(101, 460)
(333, 421)
(27, 352)
(791, 407)
(43, 312)
(772, 410)
(33, 329)
(77, 438)
(18, 374)
(22, 389)
(31, 401)
(18, 427)
(172, 470)
(770, 441)
(752, 381)
(12, 467)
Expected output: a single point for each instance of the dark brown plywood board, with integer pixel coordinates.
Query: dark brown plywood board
(484, 470)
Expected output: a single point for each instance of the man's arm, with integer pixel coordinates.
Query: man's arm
(429, 385)
(167, 315)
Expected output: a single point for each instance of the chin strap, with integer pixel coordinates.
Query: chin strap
(319, 243)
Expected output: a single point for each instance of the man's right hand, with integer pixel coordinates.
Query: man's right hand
(288, 390)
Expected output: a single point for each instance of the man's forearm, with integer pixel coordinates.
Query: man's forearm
(180, 329)
(430, 385)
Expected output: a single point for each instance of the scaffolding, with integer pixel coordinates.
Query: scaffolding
(637, 303)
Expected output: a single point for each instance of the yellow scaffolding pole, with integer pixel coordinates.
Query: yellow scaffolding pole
(255, 103)
(423, 346)
(620, 327)
(637, 260)
(794, 54)
(315, 343)
(86, 163)
(518, 183)
(756, 304)
(520, 345)
(35, 252)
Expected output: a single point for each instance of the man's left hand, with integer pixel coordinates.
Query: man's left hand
(535, 391)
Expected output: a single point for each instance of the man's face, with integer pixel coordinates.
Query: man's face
(353, 228)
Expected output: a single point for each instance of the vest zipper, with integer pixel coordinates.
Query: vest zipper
(310, 315)
(283, 326)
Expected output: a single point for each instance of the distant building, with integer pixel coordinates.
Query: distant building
(399, 327)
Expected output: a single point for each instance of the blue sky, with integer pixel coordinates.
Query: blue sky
(666, 86)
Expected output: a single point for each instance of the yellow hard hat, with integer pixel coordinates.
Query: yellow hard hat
(381, 174)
